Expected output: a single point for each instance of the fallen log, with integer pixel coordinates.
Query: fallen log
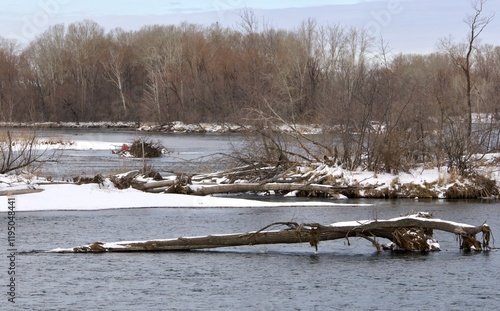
(332, 191)
(150, 186)
(239, 172)
(411, 232)
(19, 191)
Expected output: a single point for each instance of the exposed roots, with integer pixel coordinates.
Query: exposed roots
(468, 242)
(413, 239)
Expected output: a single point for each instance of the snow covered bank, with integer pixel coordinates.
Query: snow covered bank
(169, 127)
(95, 197)
(420, 182)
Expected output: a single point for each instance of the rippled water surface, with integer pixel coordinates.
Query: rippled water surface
(187, 152)
(273, 277)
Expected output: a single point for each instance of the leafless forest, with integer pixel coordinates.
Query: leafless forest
(386, 110)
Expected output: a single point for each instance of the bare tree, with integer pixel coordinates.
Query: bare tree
(462, 54)
(462, 145)
(115, 65)
(10, 88)
(17, 153)
(46, 57)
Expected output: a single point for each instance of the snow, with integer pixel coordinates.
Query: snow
(76, 145)
(433, 245)
(416, 216)
(172, 127)
(353, 223)
(97, 197)
(65, 196)
(93, 196)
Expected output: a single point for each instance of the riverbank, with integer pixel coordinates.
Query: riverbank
(37, 194)
(297, 180)
(40, 194)
(417, 183)
(168, 127)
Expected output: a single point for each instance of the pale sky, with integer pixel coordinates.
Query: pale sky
(23, 8)
(408, 25)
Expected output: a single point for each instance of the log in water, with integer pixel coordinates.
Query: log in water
(411, 232)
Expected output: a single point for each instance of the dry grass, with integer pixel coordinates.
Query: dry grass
(478, 186)
(416, 190)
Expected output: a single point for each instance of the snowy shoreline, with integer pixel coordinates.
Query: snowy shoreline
(49, 196)
(171, 127)
(72, 197)
(420, 182)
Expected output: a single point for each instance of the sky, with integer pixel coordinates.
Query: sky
(408, 26)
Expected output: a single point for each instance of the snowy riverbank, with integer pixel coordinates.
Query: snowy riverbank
(52, 194)
(169, 127)
(47, 195)
(61, 196)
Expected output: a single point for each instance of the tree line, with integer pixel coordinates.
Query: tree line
(386, 110)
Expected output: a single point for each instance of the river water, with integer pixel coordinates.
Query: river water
(271, 277)
(186, 153)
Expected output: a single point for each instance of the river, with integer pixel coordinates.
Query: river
(186, 152)
(271, 277)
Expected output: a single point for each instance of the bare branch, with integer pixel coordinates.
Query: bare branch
(16, 154)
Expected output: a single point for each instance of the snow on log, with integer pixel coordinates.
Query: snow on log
(257, 187)
(411, 232)
(154, 186)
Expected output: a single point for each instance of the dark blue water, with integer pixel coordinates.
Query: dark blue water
(272, 277)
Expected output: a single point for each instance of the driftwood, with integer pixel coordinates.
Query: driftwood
(412, 232)
(250, 178)
(154, 186)
(19, 191)
(183, 184)
(176, 186)
(244, 172)
(332, 191)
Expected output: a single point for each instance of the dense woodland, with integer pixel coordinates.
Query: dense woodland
(387, 110)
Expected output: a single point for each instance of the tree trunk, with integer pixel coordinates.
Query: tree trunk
(257, 187)
(413, 232)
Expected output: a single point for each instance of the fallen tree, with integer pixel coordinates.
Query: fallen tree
(331, 191)
(411, 232)
(207, 184)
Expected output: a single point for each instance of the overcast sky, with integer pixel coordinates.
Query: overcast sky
(407, 25)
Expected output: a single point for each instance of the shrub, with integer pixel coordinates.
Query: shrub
(21, 152)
